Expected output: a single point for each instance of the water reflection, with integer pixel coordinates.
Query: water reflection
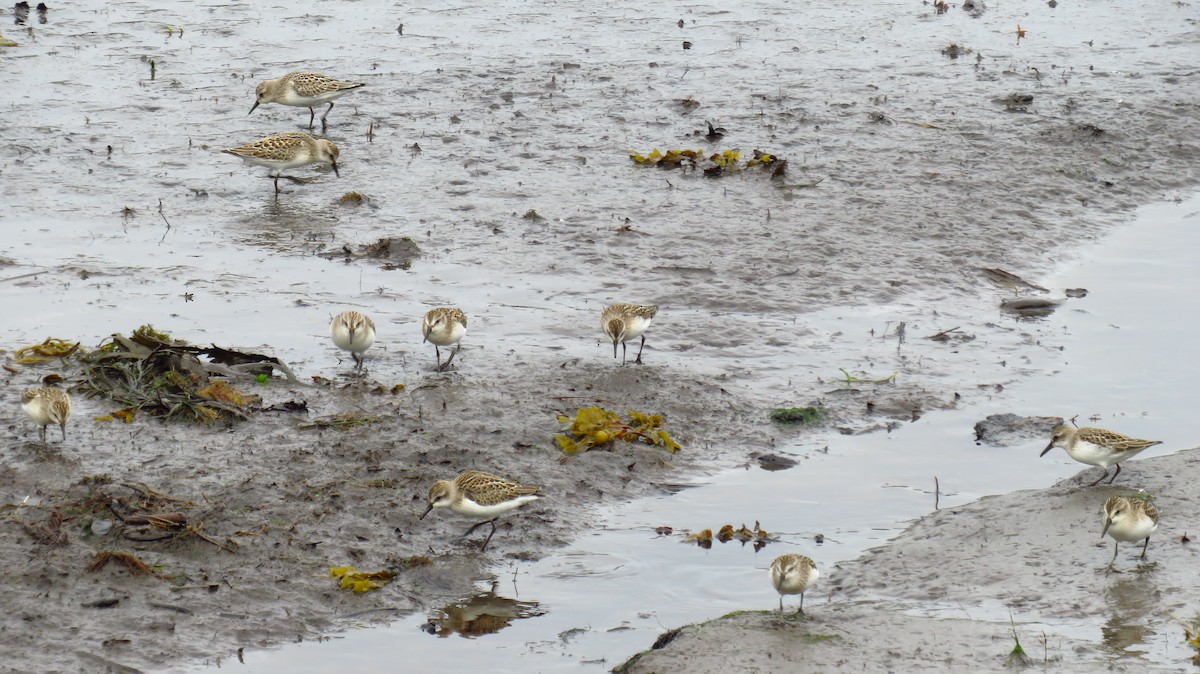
(289, 225)
(483, 613)
(1131, 600)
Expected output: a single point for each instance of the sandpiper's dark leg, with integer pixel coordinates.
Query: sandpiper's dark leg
(1114, 559)
(489, 538)
(781, 603)
(276, 185)
(1144, 546)
(801, 609)
(358, 361)
(452, 355)
(312, 114)
(325, 115)
(1100, 478)
(42, 434)
(638, 360)
(1115, 474)
(474, 527)
(623, 352)
(438, 353)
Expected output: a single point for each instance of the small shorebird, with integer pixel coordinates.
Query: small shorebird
(47, 406)
(793, 574)
(1129, 519)
(303, 90)
(477, 494)
(1097, 447)
(290, 149)
(622, 322)
(353, 332)
(444, 326)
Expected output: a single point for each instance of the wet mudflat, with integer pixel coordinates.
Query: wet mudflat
(496, 139)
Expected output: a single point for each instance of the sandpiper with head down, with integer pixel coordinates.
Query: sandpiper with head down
(303, 90)
(283, 151)
(622, 322)
(1097, 447)
(1129, 519)
(47, 406)
(477, 494)
(444, 326)
(353, 332)
(793, 574)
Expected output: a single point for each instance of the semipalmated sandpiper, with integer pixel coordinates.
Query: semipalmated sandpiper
(793, 574)
(353, 332)
(622, 322)
(477, 494)
(444, 326)
(1129, 519)
(303, 90)
(1097, 447)
(290, 149)
(47, 406)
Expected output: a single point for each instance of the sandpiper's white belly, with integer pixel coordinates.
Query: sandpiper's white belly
(453, 336)
(473, 509)
(1132, 529)
(1093, 454)
(290, 97)
(635, 326)
(39, 411)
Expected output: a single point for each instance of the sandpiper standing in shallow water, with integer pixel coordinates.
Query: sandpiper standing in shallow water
(1097, 447)
(477, 494)
(622, 322)
(290, 149)
(1129, 519)
(353, 332)
(444, 326)
(47, 406)
(793, 574)
(303, 90)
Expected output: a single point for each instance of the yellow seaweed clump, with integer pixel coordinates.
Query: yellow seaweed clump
(359, 581)
(51, 347)
(713, 165)
(594, 426)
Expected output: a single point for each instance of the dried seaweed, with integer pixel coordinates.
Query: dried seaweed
(342, 420)
(594, 426)
(149, 372)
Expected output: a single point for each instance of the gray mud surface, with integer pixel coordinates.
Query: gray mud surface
(940, 597)
(499, 141)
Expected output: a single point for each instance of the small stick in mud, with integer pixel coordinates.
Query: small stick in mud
(937, 492)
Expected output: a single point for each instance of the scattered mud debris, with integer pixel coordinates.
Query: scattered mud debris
(1031, 307)
(1006, 430)
(395, 252)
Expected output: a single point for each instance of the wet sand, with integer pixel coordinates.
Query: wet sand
(925, 169)
(940, 597)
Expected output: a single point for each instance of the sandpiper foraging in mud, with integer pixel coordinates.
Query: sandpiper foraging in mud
(290, 149)
(47, 406)
(793, 574)
(444, 326)
(303, 90)
(353, 332)
(1129, 519)
(622, 322)
(477, 494)
(1097, 447)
